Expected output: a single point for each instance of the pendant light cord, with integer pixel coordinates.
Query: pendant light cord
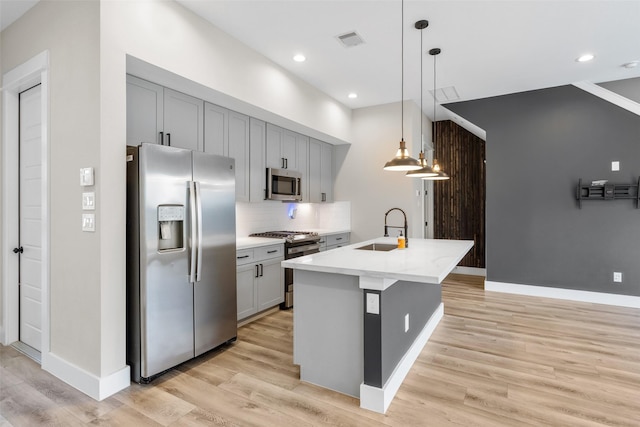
(421, 91)
(402, 71)
(433, 128)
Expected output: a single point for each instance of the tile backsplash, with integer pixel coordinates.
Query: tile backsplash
(270, 216)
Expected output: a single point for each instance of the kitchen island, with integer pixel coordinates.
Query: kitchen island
(363, 313)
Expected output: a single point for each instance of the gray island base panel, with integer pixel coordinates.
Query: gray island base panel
(359, 332)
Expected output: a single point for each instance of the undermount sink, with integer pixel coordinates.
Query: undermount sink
(378, 247)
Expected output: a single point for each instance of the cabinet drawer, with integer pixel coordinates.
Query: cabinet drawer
(268, 252)
(244, 256)
(337, 239)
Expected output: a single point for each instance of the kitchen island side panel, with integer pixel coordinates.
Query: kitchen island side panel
(328, 325)
(385, 340)
(417, 300)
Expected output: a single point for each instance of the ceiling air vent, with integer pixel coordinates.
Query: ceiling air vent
(350, 39)
(446, 94)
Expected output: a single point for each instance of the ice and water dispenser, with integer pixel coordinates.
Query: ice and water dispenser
(170, 227)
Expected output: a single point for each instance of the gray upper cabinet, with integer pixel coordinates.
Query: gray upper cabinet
(226, 133)
(320, 171)
(163, 116)
(258, 172)
(160, 115)
(239, 144)
(144, 111)
(216, 129)
(183, 120)
(283, 148)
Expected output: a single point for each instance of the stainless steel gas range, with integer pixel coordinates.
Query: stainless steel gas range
(297, 244)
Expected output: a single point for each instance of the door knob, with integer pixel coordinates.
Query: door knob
(18, 250)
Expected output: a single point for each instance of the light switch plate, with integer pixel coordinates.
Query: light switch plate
(615, 166)
(86, 177)
(88, 222)
(373, 303)
(89, 201)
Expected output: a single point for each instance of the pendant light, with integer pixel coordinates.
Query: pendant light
(440, 175)
(425, 170)
(402, 161)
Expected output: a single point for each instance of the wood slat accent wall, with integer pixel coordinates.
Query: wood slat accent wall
(459, 203)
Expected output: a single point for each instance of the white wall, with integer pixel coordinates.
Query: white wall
(70, 31)
(269, 216)
(361, 179)
(172, 38)
(88, 43)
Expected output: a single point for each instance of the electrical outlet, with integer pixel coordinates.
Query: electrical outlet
(617, 277)
(373, 303)
(406, 322)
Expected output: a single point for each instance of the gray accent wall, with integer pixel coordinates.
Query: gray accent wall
(539, 144)
(385, 341)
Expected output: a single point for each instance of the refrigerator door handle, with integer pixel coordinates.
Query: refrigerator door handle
(194, 236)
(199, 207)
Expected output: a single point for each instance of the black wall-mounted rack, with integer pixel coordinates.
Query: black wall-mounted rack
(608, 192)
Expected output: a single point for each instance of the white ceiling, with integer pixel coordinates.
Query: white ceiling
(489, 48)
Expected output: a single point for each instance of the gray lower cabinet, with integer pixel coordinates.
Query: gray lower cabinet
(164, 116)
(333, 241)
(260, 279)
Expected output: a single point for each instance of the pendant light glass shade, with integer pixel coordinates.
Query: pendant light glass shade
(425, 170)
(439, 173)
(402, 161)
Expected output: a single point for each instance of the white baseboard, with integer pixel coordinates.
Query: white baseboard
(566, 294)
(98, 388)
(378, 399)
(471, 271)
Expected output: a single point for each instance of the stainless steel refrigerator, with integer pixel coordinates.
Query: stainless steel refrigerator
(181, 269)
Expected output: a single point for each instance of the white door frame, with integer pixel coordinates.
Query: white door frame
(24, 76)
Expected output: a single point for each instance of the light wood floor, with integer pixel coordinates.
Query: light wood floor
(494, 360)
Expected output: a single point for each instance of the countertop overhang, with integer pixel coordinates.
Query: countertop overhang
(424, 261)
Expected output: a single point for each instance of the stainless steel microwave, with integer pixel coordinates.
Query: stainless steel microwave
(284, 184)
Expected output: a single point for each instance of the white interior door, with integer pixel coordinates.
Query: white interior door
(30, 280)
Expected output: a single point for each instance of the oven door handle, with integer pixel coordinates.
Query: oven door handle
(305, 248)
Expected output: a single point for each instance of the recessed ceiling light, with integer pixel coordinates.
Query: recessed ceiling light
(352, 95)
(632, 64)
(299, 58)
(585, 58)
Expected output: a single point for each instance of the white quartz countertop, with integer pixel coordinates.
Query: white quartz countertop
(256, 242)
(425, 260)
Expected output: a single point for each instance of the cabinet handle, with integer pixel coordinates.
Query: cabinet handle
(243, 256)
(257, 271)
(272, 252)
(161, 138)
(286, 163)
(282, 160)
(261, 270)
(169, 139)
(324, 197)
(338, 238)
